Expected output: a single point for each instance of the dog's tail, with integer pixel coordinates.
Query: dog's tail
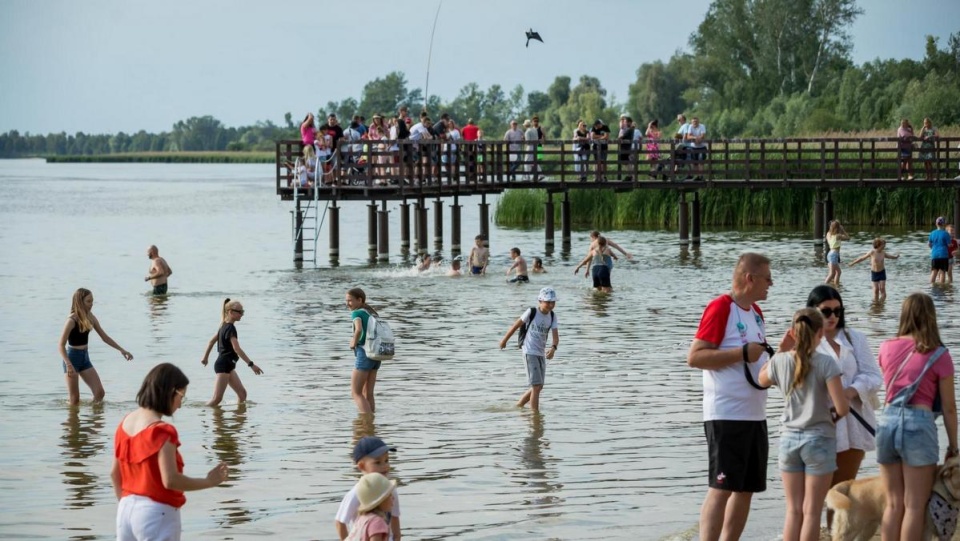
(838, 497)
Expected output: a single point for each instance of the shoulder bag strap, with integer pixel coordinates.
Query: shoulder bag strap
(746, 370)
(908, 391)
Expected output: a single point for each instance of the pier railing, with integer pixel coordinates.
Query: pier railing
(399, 169)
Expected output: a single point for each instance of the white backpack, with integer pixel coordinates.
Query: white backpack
(380, 343)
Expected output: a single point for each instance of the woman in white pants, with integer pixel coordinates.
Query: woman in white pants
(147, 471)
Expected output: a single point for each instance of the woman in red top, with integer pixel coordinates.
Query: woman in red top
(147, 471)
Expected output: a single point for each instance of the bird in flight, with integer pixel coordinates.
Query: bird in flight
(533, 35)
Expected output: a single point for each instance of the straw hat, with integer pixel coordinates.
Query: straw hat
(372, 489)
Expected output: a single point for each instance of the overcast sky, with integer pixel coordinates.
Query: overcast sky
(124, 65)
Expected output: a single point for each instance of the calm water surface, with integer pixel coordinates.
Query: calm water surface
(618, 452)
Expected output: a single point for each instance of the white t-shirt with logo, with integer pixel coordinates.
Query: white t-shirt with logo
(535, 342)
(727, 395)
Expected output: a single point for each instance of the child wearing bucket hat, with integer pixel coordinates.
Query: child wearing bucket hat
(371, 455)
(534, 326)
(375, 493)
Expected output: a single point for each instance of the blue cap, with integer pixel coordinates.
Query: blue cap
(941, 220)
(370, 446)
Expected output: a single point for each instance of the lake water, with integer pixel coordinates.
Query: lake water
(618, 452)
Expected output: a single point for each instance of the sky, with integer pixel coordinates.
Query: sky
(104, 66)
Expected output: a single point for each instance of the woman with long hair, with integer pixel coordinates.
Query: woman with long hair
(928, 147)
(810, 382)
(74, 341)
(916, 369)
(835, 236)
(308, 131)
(147, 472)
(364, 377)
(228, 347)
(860, 377)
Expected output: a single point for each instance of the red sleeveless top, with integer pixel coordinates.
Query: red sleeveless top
(139, 460)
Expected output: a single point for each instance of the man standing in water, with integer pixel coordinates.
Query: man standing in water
(730, 348)
(159, 271)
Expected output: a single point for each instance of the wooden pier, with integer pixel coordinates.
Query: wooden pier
(408, 171)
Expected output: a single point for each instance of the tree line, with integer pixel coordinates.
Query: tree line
(754, 68)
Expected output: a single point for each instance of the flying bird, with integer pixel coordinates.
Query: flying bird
(533, 35)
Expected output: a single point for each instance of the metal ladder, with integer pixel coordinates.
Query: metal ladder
(311, 223)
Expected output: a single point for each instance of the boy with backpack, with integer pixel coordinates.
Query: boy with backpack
(534, 326)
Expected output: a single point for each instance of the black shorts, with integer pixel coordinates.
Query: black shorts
(601, 275)
(160, 289)
(224, 365)
(940, 264)
(600, 153)
(738, 455)
(520, 278)
(878, 276)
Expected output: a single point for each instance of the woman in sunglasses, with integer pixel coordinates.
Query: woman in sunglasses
(229, 351)
(861, 380)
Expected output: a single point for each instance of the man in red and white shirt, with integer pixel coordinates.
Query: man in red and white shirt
(731, 345)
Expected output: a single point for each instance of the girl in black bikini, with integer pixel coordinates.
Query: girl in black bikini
(229, 351)
(73, 347)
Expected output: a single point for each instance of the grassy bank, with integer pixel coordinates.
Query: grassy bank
(170, 157)
(658, 208)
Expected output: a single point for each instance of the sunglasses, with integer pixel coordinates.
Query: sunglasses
(827, 312)
(183, 394)
(237, 311)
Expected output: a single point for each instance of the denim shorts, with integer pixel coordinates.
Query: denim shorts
(908, 435)
(363, 363)
(808, 452)
(79, 358)
(833, 257)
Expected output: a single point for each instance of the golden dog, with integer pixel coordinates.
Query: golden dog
(858, 504)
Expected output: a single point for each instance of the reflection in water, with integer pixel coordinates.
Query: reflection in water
(877, 307)
(158, 311)
(363, 426)
(686, 253)
(599, 301)
(534, 465)
(81, 440)
(227, 426)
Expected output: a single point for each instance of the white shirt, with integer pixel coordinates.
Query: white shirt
(453, 135)
(860, 371)
(535, 342)
(347, 513)
(419, 131)
(699, 131)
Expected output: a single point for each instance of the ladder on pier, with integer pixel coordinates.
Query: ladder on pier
(307, 219)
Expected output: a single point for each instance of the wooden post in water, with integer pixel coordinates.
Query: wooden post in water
(416, 227)
(383, 244)
(422, 227)
(455, 226)
(684, 220)
(818, 231)
(956, 208)
(298, 232)
(827, 210)
(485, 220)
(565, 222)
(438, 222)
(334, 232)
(695, 219)
(372, 230)
(404, 226)
(548, 222)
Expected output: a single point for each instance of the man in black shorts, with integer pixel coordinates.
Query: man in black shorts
(730, 345)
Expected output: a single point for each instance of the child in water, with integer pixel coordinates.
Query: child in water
(878, 272)
(520, 264)
(538, 266)
(454, 268)
(228, 347)
(375, 493)
(810, 382)
(479, 256)
(371, 455)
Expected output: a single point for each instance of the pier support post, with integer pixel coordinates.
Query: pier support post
(956, 208)
(548, 222)
(298, 233)
(383, 239)
(695, 219)
(827, 210)
(404, 227)
(334, 211)
(372, 230)
(818, 231)
(416, 227)
(455, 225)
(684, 220)
(565, 222)
(422, 227)
(438, 222)
(485, 220)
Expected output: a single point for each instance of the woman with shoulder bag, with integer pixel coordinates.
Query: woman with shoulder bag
(861, 379)
(916, 368)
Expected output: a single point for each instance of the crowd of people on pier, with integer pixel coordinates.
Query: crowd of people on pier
(403, 149)
(826, 371)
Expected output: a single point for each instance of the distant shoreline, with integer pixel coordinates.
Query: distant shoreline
(170, 157)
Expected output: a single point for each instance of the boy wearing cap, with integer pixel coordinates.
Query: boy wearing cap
(939, 243)
(371, 455)
(539, 324)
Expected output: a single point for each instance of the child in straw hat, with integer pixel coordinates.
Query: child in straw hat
(375, 493)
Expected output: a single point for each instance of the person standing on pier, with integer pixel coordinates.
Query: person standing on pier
(600, 133)
(730, 347)
(333, 129)
(514, 139)
(308, 131)
(159, 271)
